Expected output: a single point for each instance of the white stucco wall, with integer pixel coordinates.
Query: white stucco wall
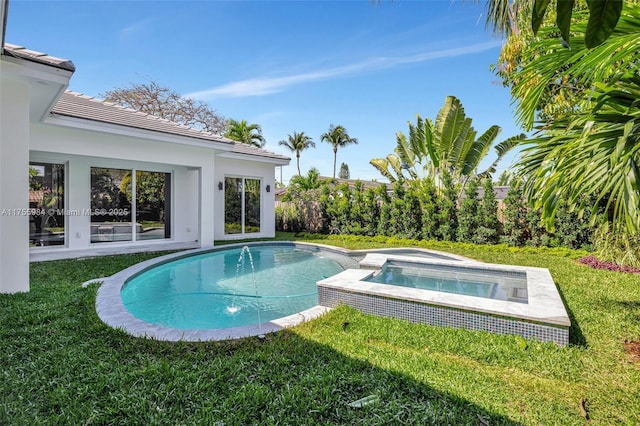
(14, 185)
(191, 169)
(227, 167)
(198, 205)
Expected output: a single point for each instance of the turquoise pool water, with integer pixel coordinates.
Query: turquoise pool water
(468, 281)
(220, 290)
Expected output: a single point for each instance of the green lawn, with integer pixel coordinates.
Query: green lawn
(61, 365)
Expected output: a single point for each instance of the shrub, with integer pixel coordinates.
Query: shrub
(487, 216)
(468, 214)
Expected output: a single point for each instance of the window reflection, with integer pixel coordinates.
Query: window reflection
(111, 198)
(46, 204)
(242, 205)
(153, 214)
(252, 206)
(232, 205)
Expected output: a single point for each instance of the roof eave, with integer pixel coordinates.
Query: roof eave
(117, 129)
(280, 161)
(22, 53)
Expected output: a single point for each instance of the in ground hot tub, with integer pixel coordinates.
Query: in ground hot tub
(463, 294)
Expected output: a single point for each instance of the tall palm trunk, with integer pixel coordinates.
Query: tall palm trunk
(298, 162)
(335, 157)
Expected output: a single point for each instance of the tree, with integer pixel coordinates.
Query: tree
(552, 81)
(429, 206)
(299, 184)
(297, 142)
(159, 101)
(447, 209)
(448, 145)
(506, 178)
(344, 171)
(515, 218)
(603, 17)
(487, 218)
(588, 120)
(241, 131)
(468, 215)
(593, 150)
(337, 136)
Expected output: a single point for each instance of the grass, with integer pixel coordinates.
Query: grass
(61, 365)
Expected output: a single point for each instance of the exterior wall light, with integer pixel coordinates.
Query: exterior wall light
(268, 188)
(220, 186)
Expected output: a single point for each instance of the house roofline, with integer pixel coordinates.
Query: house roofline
(117, 129)
(20, 52)
(267, 157)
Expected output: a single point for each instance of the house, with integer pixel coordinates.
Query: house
(103, 179)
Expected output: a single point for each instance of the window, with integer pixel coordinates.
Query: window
(118, 195)
(46, 204)
(241, 205)
(153, 214)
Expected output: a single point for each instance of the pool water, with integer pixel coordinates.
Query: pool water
(479, 283)
(220, 289)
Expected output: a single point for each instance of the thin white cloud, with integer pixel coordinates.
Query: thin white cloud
(266, 86)
(126, 33)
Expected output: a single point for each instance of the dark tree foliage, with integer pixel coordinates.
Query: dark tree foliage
(385, 211)
(430, 205)
(358, 210)
(412, 218)
(448, 210)
(396, 222)
(162, 102)
(371, 218)
(467, 218)
(514, 225)
(487, 217)
(571, 229)
(344, 171)
(538, 235)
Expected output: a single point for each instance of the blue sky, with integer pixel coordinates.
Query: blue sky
(288, 66)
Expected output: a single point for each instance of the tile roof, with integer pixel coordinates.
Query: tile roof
(77, 105)
(243, 148)
(73, 104)
(16, 51)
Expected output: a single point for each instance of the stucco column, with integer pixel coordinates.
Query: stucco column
(14, 186)
(207, 205)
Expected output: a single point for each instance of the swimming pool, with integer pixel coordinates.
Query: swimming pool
(236, 287)
(206, 280)
(532, 311)
(487, 283)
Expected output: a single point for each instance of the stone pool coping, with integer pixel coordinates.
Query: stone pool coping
(543, 317)
(112, 311)
(544, 304)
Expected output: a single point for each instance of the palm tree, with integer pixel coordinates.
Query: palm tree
(593, 153)
(595, 149)
(338, 137)
(297, 143)
(241, 131)
(448, 146)
(502, 16)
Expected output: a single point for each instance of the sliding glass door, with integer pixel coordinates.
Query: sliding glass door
(242, 210)
(119, 195)
(46, 204)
